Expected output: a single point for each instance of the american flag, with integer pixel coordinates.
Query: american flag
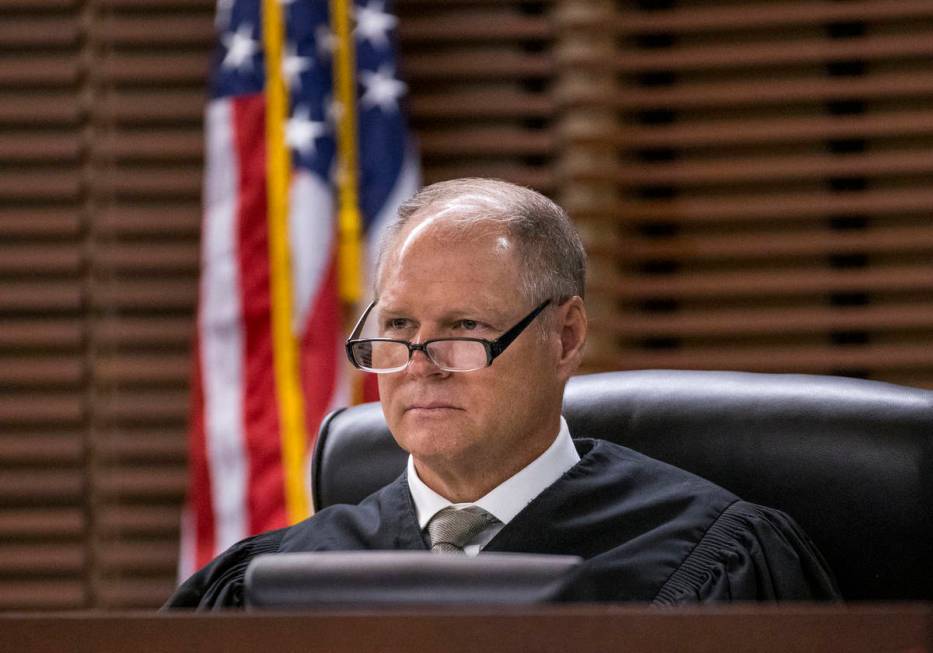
(237, 477)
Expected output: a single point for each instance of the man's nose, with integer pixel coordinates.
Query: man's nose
(422, 365)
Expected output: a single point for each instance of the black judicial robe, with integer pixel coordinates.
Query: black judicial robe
(647, 531)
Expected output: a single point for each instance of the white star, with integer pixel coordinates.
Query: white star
(373, 23)
(301, 131)
(222, 15)
(382, 88)
(293, 66)
(325, 42)
(240, 47)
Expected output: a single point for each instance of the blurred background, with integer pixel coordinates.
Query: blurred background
(752, 178)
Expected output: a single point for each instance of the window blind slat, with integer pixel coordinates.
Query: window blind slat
(39, 70)
(482, 104)
(484, 26)
(177, 219)
(42, 594)
(141, 520)
(40, 222)
(48, 31)
(740, 169)
(773, 246)
(41, 333)
(42, 559)
(775, 359)
(755, 131)
(482, 63)
(51, 296)
(67, 409)
(734, 323)
(771, 205)
(46, 523)
(35, 371)
(883, 86)
(40, 108)
(768, 15)
(795, 281)
(777, 53)
(47, 258)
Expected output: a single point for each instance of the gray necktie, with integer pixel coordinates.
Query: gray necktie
(450, 528)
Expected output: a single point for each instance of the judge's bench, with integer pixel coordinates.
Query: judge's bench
(581, 629)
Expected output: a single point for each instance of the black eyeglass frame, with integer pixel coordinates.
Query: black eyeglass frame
(493, 347)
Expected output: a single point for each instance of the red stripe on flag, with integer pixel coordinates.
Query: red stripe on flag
(266, 490)
(199, 473)
(319, 351)
(370, 387)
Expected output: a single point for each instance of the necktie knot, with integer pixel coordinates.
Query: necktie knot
(450, 529)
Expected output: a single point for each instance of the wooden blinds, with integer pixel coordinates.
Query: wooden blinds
(152, 62)
(768, 206)
(100, 148)
(480, 76)
(44, 557)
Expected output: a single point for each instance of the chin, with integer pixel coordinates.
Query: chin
(424, 444)
(432, 444)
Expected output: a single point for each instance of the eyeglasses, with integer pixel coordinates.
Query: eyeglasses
(386, 355)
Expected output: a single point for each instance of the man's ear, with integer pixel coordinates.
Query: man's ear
(572, 327)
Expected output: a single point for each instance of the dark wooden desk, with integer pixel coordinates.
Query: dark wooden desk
(582, 629)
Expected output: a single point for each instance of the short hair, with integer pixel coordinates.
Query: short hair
(552, 258)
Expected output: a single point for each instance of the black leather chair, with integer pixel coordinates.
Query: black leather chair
(850, 460)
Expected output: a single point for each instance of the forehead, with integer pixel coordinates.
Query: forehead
(435, 258)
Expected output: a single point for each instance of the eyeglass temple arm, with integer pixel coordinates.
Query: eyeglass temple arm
(359, 323)
(498, 345)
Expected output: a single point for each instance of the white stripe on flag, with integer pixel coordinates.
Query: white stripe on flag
(221, 330)
(187, 555)
(311, 237)
(341, 396)
(406, 185)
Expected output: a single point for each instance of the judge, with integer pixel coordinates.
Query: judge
(478, 323)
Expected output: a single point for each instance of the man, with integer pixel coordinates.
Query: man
(479, 322)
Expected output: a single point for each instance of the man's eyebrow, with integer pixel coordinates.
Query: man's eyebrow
(490, 318)
(382, 312)
(448, 317)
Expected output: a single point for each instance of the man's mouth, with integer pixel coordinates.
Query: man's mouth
(432, 406)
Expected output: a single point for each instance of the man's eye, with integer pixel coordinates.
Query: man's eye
(396, 323)
(468, 325)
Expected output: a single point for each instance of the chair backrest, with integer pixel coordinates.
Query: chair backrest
(850, 460)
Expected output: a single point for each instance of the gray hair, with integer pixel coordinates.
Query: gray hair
(553, 261)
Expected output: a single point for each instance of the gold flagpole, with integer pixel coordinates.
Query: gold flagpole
(349, 218)
(285, 355)
(350, 230)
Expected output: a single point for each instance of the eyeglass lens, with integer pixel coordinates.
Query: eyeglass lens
(451, 355)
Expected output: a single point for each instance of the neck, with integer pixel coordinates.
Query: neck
(459, 487)
(467, 483)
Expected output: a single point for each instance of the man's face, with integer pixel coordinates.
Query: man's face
(482, 423)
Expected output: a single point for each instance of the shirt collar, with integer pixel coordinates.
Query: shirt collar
(509, 497)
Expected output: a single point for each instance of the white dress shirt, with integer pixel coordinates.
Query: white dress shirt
(506, 499)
